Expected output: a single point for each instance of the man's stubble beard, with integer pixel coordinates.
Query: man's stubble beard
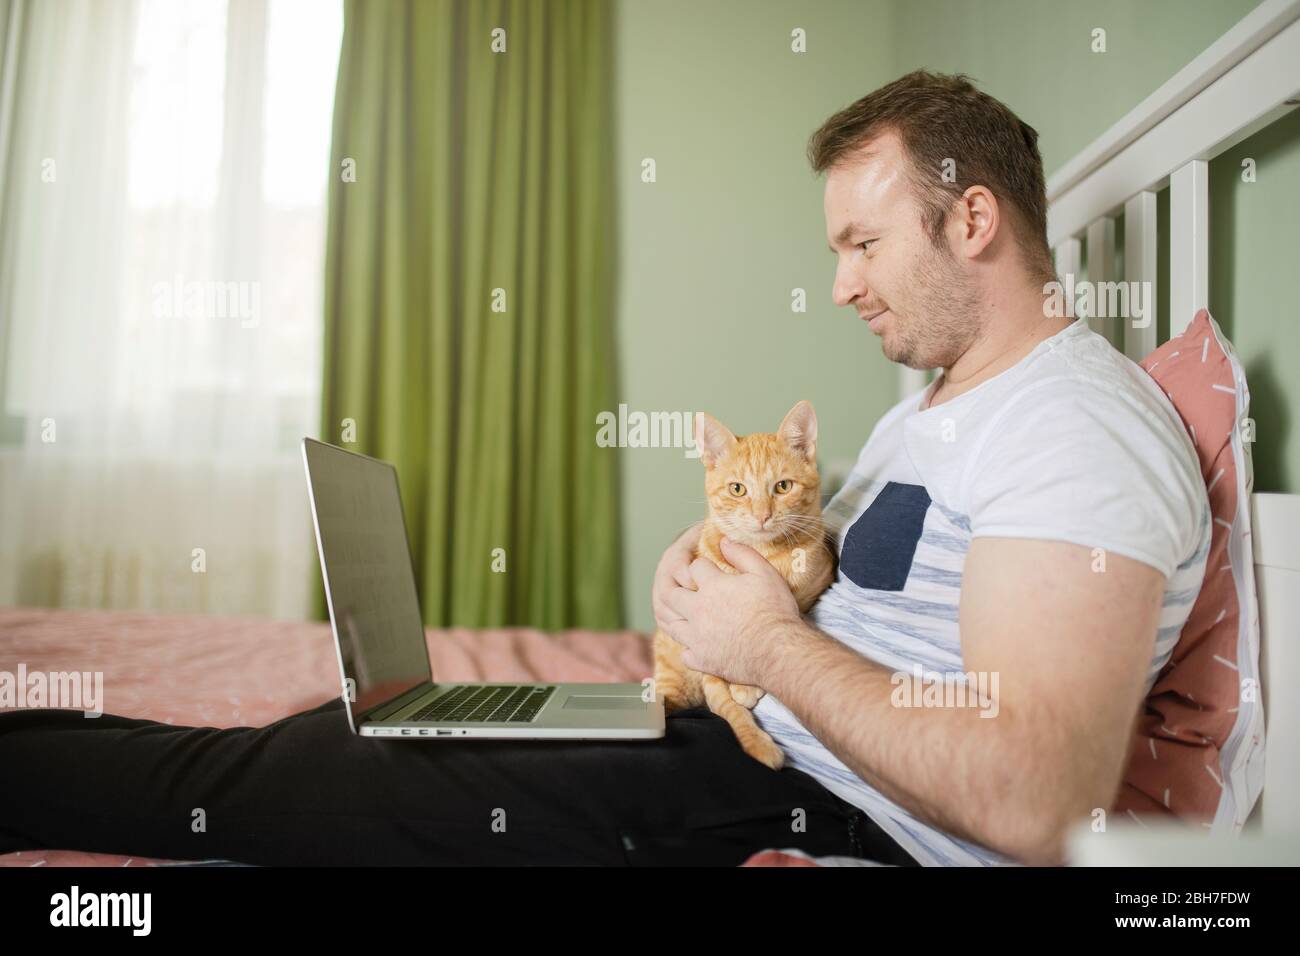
(944, 319)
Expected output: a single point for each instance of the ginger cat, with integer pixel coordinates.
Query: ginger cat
(763, 491)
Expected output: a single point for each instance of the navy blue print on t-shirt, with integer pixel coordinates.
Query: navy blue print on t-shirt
(879, 548)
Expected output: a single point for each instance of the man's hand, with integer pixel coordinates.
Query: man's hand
(731, 624)
(674, 570)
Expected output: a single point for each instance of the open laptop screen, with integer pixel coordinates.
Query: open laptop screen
(369, 581)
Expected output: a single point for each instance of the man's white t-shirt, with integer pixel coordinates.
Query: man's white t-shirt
(1073, 443)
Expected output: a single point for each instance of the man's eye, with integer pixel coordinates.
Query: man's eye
(865, 244)
(737, 489)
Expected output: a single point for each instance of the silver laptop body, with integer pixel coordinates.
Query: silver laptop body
(388, 684)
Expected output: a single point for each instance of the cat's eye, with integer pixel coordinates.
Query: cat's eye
(783, 486)
(737, 489)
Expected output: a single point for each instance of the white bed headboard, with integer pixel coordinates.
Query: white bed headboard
(1244, 81)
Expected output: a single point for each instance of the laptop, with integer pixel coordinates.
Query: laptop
(389, 688)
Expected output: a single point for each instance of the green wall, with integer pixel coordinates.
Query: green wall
(1254, 251)
(1036, 56)
(710, 252)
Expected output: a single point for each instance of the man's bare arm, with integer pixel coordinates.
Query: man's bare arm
(1070, 646)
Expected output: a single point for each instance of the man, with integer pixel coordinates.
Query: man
(1040, 520)
(1035, 519)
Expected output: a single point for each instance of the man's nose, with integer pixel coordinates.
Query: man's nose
(848, 285)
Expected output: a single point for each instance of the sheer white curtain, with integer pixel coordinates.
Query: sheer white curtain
(162, 187)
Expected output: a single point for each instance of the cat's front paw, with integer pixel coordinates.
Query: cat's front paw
(746, 695)
(764, 749)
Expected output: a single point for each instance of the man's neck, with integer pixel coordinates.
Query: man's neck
(1004, 344)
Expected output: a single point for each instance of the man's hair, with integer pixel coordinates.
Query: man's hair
(945, 123)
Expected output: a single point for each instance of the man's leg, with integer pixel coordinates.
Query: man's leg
(306, 790)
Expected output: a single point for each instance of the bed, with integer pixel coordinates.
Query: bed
(230, 672)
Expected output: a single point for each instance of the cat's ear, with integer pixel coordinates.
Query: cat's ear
(712, 438)
(799, 429)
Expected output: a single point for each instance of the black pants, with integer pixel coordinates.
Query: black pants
(306, 790)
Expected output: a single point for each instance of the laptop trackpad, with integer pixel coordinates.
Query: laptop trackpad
(580, 702)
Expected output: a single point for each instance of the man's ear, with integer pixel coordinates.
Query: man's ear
(799, 429)
(977, 218)
(712, 438)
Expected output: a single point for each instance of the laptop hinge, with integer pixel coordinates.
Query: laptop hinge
(388, 708)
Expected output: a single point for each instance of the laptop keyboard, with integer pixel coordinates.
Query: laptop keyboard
(514, 704)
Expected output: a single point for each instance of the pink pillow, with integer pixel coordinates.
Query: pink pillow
(1198, 753)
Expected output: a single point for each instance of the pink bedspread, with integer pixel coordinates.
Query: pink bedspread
(232, 672)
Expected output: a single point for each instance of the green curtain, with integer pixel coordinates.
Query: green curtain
(478, 171)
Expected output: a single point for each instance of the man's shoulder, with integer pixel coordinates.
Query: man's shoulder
(1090, 382)
(1089, 446)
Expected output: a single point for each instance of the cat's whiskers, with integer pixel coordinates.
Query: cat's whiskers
(806, 525)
